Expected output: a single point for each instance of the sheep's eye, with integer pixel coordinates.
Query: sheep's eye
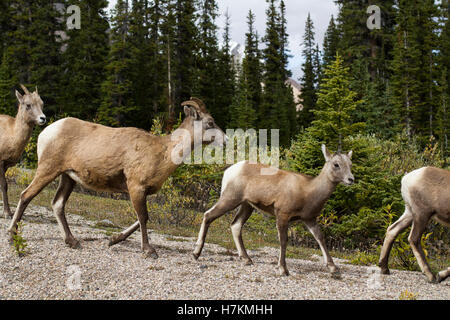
(336, 165)
(210, 124)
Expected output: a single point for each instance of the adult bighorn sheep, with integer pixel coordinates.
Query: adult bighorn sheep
(108, 159)
(287, 195)
(426, 193)
(14, 135)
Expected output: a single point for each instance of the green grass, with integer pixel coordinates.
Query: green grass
(259, 231)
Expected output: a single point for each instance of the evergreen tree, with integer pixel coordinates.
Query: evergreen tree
(442, 117)
(185, 52)
(336, 105)
(84, 61)
(167, 44)
(369, 53)
(442, 128)
(157, 16)
(330, 43)
(5, 19)
(243, 115)
(309, 79)
(34, 49)
(278, 108)
(226, 77)
(117, 89)
(251, 66)
(8, 81)
(207, 61)
(413, 67)
(143, 39)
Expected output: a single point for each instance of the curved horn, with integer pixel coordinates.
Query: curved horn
(196, 103)
(24, 89)
(191, 103)
(200, 103)
(36, 90)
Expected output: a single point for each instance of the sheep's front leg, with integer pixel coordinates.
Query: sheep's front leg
(138, 198)
(314, 228)
(282, 226)
(4, 187)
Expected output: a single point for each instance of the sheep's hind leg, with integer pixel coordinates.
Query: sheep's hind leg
(117, 238)
(63, 192)
(241, 217)
(444, 274)
(218, 210)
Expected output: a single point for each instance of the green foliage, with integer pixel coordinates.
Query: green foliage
(242, 113)
(8, 80)
(84, 61)
(19, 243)
(407, 295)
(330, 43)
(336, 104)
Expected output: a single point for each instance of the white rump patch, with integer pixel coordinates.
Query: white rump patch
(410, 180)
(48, 135)
(231, 173)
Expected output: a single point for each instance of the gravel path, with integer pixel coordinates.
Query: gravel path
(51, 270)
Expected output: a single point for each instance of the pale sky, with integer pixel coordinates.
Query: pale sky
(297, 12)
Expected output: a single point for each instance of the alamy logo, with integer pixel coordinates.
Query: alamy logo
(73, 14)
(74, 280)
(374, 21)
(74, 21)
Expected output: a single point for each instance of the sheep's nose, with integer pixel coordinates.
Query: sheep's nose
(42, 119)
(351, 180)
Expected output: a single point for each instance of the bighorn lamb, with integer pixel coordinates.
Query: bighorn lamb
(287, 195)
(426, 193)
(110, 159)
(15, 133)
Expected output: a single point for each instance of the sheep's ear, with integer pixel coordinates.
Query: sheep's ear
(19, 96)
(350, 154)
(191, 112)
(326, 153)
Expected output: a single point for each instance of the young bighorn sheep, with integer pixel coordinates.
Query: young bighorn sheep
(287, 195)
(113, 160)
(15, 133)
(426, 193)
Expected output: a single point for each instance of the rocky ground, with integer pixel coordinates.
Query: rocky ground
(50, 270)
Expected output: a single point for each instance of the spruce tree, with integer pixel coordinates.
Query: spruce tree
(251, 65)
(144, 69)
(35, 50)
(336, 105)
(8, 81)
(414, 91)
(5, 25)
(226, 77)
(243, 116)
(442, 117)
(84, 61)
(207, 61)
(185, 52)
(309, 79)
(117, 89)
(330, 43)
(277, 108)
(167, 43)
